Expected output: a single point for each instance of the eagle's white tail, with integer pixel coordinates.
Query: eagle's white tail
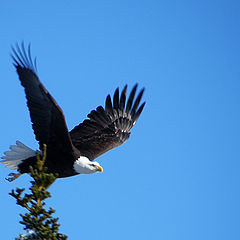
(16, 155)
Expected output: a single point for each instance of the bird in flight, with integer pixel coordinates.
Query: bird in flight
(74, 152)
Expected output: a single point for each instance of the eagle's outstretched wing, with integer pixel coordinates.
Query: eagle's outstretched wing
(110, 127)
(47, 118)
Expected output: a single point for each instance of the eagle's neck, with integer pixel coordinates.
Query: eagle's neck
(81, 165)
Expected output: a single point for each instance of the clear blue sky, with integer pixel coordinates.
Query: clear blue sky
(178, 176)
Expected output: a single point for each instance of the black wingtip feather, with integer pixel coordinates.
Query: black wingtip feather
(29, 55)
(137, 101)
(108, 105)
(116, 99)
(123, 99)
(139, 111)
(131, 97)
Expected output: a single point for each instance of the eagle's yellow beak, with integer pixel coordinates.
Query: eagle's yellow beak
(99, 169)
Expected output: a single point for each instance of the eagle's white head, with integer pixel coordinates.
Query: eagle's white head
(84, 166)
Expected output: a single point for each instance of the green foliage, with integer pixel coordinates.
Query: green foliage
(38, 222)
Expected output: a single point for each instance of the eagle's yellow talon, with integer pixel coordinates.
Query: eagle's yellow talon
(13, 176)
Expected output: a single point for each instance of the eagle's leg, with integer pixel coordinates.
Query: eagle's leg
(13, 176)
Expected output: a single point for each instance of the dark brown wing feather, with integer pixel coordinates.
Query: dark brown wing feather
(47, 118)
(110, 127)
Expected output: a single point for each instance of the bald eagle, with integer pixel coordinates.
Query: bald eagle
(74, 152)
